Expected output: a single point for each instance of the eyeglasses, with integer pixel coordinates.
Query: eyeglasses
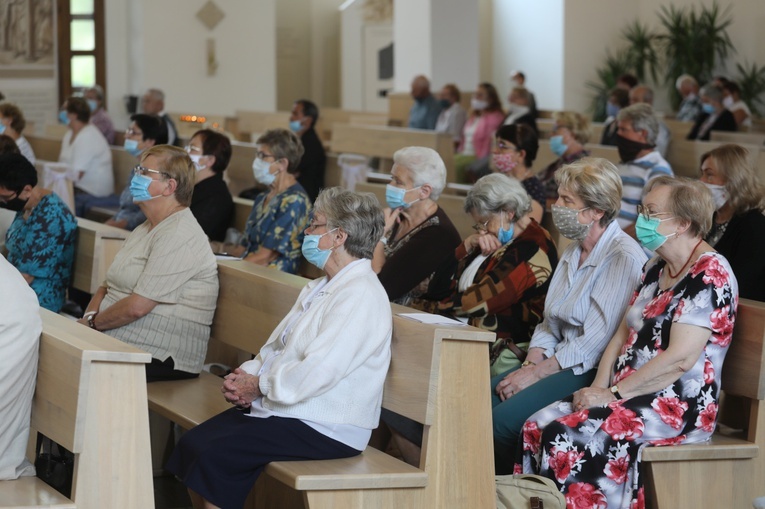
(481, 227)
(142, 170)
(133, 132)
(263, 155)
(192, 148)
(312, 227)
(506, 146)
(643, 211)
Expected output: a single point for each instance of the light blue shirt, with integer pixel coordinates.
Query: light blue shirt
(424, 113)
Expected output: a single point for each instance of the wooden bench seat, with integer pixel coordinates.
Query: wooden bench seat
(726, 471)
(97, 245)
(90, 398)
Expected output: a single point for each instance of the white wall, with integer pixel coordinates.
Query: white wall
(293, 52)
(412, 48)
(325, 52)
(529, 36)
(455, 44)
(351, 60)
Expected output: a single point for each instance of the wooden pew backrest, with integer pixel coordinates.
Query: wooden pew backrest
(97, 245)
(239, 172)
(46, 148)
(258, 122)
(740, 138)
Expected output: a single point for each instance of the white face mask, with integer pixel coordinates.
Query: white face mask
(719, 195)
(728, 101)
(478, 104)
(195, 159)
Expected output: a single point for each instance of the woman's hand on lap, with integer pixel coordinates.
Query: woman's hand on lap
(240, 388)
(516, 381)
(591, 397)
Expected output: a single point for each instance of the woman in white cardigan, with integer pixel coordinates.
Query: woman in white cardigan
(315, 389)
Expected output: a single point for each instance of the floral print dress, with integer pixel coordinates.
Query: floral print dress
(593, 455)
(278, 225)
(42, 246)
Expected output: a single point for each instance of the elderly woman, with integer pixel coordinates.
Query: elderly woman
(87, 153)
(514, 152)
(485, 117)
(738, 225)
(12, 123)
(591, 286)
(41, 238)
(570, 133)
(279, 216)
(658, 382)
(414, 256)
(733, 103)
(713, 117)
(160, 291)
(337, 336)
(211, 202)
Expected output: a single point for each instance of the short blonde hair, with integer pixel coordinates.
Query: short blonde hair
(745, 190)
(578, 124)
(689, 200)
(175, 164)
(597, 182)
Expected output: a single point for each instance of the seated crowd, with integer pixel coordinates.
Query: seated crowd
(629, 322)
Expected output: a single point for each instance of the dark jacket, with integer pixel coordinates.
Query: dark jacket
(312, 164)
(724, 122)
(743, 245)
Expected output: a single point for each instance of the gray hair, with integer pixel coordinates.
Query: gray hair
(426, 166)
(99, 90)
(496, 192)
(597, 182)
(642, 119)
(358, 214)
(157, 94)
(712, 92)
(683, 78)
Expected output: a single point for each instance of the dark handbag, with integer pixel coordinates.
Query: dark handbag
(54, 465)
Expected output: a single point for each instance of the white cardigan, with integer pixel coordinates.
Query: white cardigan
(332, 365)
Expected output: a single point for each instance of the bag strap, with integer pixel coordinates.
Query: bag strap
(538, 478)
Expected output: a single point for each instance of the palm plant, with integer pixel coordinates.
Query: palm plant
(615, 65)
(642, 50)
(751, 80)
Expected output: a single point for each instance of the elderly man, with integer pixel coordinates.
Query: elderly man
(303, 120)
(644, 94)
(426, 108)
(153, 103)
(98, 115)
(640, 161)
(714, 116)
(690, 106)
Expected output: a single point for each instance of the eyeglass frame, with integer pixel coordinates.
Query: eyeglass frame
(643, 211)
(143, 170)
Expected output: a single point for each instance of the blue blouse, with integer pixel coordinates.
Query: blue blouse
(279, 226)
(43, 247)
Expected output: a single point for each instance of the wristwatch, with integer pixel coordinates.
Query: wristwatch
(615, 391)
(90, 316)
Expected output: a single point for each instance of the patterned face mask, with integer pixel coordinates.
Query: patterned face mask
(567, 222)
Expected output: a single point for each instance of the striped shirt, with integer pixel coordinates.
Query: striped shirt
(635, 176)
(585, 304)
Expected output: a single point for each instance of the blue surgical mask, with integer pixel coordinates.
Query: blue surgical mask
(505, 236)
(394, 196)
(131, 146)
(707, 108)
(260, 169)
(313, 253)
(2, 128)
(295, 125)
(647, 234)
(63, 117)
(612, 110)
(92, 104)
(557, 146)
(139, 187)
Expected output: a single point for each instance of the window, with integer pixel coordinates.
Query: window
(81, 61)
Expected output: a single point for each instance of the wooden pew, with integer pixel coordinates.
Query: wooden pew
(187, 124)
(678, 128)
(242, 209)
(605, 151)
(258, 122)
(740, 138)
(46, 148)
(382, 142)
(438, 376)
(328, 117)
(399, 104)
(732, 467)
(97, 245)
(239, 174)
(452, 204)
(685, 155)
(90, 398)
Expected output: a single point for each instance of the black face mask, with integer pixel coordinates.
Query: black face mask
(15, 204)
(629, 149)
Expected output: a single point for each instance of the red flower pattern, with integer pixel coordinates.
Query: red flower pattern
(707, 418)
(657, 305)
(713, 272)
(709, 372)
(617, 469)
(670, 410)
(623, 373)
(532, 437)
(517, 469)
(722, 326)
(639, 502)
(561, 462)
(575, 419)
(623, 423)
(583, 495)
(668, 441)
